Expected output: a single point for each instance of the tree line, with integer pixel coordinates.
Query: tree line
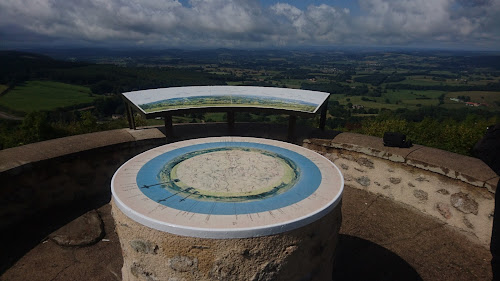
(451, 130)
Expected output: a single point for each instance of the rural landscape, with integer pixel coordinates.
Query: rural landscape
(250, 140)
(442, 99)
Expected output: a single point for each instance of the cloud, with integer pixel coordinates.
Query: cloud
(405, 19)
(430, 21)
(319, 24)
(247, 23)
(474, 3)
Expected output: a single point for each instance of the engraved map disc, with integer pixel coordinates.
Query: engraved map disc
(227, 187)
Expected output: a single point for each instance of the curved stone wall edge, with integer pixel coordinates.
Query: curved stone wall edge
(61, 172)
(456, 189)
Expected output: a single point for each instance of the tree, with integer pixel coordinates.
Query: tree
(88, 122)
(36, 127)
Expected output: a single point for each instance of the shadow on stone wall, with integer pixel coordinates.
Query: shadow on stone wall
(360, 259)
(39, 198)
(268, 131)
(27, 234)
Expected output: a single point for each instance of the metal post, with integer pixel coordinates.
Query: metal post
(169, 129)
(132, 120)
(292, 120)
(230, 120)
(322, 120)
(129, 115)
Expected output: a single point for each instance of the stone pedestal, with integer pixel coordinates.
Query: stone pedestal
(228, 208)
(306, 253)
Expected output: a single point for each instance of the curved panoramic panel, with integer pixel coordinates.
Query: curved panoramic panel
(227, 187)
(181, 98)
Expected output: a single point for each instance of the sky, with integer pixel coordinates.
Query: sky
(245, 24)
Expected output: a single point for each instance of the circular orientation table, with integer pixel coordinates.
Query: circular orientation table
(250, 207)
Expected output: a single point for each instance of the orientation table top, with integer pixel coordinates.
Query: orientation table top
(227, 187)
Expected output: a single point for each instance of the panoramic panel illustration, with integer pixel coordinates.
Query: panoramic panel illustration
(227, 101)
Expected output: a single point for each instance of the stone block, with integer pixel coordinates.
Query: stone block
(85, 230)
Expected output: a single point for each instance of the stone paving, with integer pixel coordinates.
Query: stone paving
(380, 240)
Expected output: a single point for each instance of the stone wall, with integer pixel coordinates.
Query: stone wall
(305, 253)
(456, 189)
(67, 171)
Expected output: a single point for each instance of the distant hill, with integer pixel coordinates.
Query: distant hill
(18, 66)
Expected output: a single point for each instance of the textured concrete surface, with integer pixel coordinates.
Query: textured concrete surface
(371, 146)
(380, 240)
(18, 156)
(475, 172)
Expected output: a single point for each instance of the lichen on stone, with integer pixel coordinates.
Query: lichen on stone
(420, 195)
(145, 247)
(395, 180)
(464, 203)
(365, 162)
(443, 191)
(364, 181)
(183, 263)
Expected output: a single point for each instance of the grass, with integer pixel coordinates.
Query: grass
(420, 81)
(233, 83)
(421, 102)
(3, 88)
(292, 83)
(45, 95)
(215, 116)
(368, 104)
(413, 97)
(409, 99)
(440, 72)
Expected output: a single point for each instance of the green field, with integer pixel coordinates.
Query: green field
(292, 83)
(409, 99)
(45, 95)
(423, 81)
(3, 88)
